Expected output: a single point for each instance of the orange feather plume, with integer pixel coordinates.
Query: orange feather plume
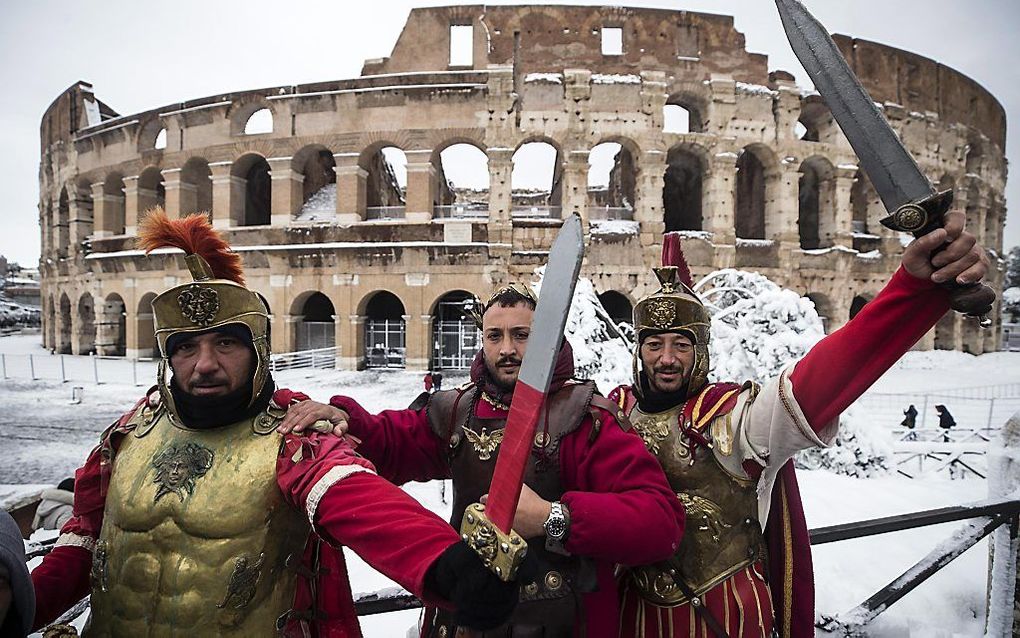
(195, 236)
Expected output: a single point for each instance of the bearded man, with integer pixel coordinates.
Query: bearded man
(726, 447)
(195, 516)
(593, 496)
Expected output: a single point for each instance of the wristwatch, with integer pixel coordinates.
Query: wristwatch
(557, 525)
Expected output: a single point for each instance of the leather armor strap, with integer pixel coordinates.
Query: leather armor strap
(698, 604)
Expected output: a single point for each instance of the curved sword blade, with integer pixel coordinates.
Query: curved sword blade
(892, 170)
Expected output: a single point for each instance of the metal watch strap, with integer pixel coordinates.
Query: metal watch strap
(558, 513)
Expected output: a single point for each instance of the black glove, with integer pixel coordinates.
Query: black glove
(481, 600)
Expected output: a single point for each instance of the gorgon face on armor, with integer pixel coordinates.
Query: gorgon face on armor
(212, 364)
(667, 359)
(505, 332)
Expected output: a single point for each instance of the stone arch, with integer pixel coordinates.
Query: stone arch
(455, 337)
(49, 322)
(866, 211)
(314, 317)
(63, 344)
(254, 209)
(111, 327)
(62, 223)
(241, 115)
(461, 178)
(683, 191)
(385, 330)
(618, 306)
(113, 204)
(815, 118)
(85, 335)
(537, 178)
(84, 221)
(756, 171)
(824, 308)
(857, 304)
(684, 108)
(974, 156)
(816, 215)
(151, 191)
(386, 181)
(196, 194)
(149, 135)
(145, 328)
(612, 180)
(318, 188)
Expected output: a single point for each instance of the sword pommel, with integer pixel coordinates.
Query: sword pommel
(502, 552)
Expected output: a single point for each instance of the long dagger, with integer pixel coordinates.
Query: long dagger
(908, 195)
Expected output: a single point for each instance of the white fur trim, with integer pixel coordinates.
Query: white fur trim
(75, 540)
(328, 480)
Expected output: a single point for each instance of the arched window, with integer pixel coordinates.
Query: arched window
(385, 333)
(261, 121)
(160, 142)
(317, 327)
(617, 306)
(318, 200)
(535, 181)
(86, 336)
(749, 216)
(111, 329)
(62, 224)
(682, 191)
(64, 326)
(816, 217)
(455, 337)
(463, 182)
(145, 327)
(611, 182)
(151, 191)
(258, 190)
(386, 184)
(113, 205)
(196, 187)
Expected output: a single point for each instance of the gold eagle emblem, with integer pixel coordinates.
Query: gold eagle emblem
(707, 513)
(484, 443)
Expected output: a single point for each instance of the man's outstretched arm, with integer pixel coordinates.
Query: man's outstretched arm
(839, 368)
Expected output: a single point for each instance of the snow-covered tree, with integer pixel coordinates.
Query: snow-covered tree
(1011, 285)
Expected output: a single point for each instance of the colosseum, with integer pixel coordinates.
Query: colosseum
(360, 215)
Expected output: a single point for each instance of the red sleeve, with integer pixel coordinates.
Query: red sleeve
(399, 442)
(840, 367)
(622, 509)
(350, 505)
(63, 577)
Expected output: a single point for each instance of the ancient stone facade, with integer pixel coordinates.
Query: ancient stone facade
(758, 177)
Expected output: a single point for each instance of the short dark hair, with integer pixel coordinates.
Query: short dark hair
(508, 298)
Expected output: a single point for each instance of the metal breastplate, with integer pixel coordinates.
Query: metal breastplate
(548, 603)
(195, 535)
(722, 534)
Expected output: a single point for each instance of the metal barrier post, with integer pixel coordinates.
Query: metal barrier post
(31, 366)
(924, 411)
(1003, 479)
(134, 371)
(63, 372)
(95, 368)
(3, 362)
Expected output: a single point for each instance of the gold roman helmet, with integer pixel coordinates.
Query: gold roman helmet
(216, 298)
(674, 308)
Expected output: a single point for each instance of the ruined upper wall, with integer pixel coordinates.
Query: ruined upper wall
(553, 38)
(921, 84)
(74, 109)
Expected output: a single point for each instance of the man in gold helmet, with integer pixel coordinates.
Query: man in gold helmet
(743, 567)
(194, 515)
(593, 496)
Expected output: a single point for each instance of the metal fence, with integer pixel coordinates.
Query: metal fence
(537, 212)
(385, 212)
(597, 213)
(466, 211)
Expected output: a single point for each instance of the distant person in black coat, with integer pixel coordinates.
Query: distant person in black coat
(910, 422)
(946, 421)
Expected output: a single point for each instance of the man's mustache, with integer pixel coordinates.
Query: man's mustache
(669, 369)
(509, 360)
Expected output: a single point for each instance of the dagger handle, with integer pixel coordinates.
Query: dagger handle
(922, 217)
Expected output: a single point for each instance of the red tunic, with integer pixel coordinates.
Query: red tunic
(831, 376)
(357, 510)
(622, 510)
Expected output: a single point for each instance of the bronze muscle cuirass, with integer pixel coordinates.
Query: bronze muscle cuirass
(721, 535)
(196, 533)
(550, 602)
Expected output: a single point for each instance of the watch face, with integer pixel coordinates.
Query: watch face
(556, 527)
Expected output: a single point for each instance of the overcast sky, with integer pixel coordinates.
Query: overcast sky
(142, 55)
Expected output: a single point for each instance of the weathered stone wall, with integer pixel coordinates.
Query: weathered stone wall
(761, 186)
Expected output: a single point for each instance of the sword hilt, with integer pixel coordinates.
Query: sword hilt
(502, 552)
(922, 217)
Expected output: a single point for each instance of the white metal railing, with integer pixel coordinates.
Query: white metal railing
(460, 211)
(538, 212)
(598, 213)
(78, 368)
(318, 359)
(385, 212)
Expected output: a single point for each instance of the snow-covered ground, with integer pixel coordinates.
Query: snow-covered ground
(45, 438)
